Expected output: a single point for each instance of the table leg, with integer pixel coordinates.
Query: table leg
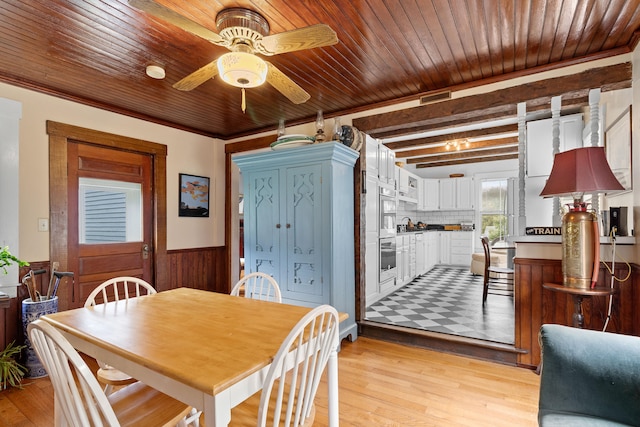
(578, 317)
(218, 409)
(334, 413)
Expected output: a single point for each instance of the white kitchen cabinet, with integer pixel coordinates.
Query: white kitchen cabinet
(447, 194)
(540, 142)
(372, 250)
(407, 185)
(412, 257)
(465, 193)
(432, 239)
(460, 247)
(371, 208)
(457, 193)
(371, 156)
(431, 194)
(298, 218)
(405, 258)
(372, 258)
(445, 247)
(402, 178)
(400, 266)
(421, 254)
(386, 166)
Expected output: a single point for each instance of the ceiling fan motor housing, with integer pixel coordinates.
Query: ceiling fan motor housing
(242, 26)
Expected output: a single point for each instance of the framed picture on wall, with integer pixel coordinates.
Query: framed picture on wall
(194, 196)
(618, 147)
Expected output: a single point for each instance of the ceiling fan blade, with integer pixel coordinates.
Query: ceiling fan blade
(285, 85)
(198, 77)
(303, 38)
(166, 14)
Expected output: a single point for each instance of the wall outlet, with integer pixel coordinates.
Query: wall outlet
(43, 224)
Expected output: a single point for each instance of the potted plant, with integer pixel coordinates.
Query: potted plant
(6, 259)
(11, 372)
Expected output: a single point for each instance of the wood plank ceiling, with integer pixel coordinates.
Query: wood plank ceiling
(96, 51)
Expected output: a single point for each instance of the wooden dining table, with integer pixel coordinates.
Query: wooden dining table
(206, 349)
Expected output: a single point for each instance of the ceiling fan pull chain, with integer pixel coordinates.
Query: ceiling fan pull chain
(244, 101)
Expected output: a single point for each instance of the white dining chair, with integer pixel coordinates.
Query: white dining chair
(259, 286)
(80, 401)
(116, 289)
(292, 381)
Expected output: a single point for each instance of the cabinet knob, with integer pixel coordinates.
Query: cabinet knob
(277, 225)
(288, 225)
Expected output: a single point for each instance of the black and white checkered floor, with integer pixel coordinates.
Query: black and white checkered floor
(448, 300)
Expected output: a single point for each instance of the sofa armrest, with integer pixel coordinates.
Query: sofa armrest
(592, 373)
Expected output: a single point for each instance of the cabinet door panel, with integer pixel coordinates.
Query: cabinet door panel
(304, 230)
(262, 232)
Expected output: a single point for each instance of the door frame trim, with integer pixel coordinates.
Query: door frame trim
(60, 134)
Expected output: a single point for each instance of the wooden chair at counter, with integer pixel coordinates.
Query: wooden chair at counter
(259, 286)
(497, 280)
(80, 400)
(292, 381)
(116, 289)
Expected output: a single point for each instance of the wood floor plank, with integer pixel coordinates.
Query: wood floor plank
(381, 384)
(389, 384)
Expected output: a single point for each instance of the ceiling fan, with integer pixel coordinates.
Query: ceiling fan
(245, 33)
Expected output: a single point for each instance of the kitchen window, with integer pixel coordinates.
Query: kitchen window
(493, 208)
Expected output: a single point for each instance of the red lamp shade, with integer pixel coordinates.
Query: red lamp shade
(581, 170)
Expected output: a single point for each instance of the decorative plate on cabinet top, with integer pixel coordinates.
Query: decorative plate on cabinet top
(293, 136)
(292, 141)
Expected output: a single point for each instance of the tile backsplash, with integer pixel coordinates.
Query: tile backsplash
(432, 217)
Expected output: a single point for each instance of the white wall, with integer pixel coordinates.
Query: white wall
(187, 152)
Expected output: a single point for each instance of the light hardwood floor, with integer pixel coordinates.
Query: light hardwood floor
(381, 384)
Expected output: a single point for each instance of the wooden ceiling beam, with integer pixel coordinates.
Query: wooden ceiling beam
(571, 103)
(477, 145)
(612, 77)
(465, 161)
(452, 136)
(466, 154)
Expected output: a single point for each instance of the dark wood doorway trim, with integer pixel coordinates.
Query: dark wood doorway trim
(59, 135)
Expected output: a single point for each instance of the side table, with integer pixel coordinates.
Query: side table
(578, 296)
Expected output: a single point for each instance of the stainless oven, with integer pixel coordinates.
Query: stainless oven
(387, 258)
(387, 208)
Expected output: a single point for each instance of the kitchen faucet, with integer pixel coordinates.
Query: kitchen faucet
(409, 223)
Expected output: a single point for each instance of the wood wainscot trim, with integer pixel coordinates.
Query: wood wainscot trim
(198, 268)
(536, 305)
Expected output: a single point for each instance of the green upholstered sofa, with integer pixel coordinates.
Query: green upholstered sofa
(588, 378)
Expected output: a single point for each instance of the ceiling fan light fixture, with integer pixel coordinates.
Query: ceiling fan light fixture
(241, 69)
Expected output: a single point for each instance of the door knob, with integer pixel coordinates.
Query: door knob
(145, 251)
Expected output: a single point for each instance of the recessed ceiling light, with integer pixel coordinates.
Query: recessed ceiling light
(155, 72)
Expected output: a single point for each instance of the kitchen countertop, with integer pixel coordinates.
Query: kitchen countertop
(429, 231)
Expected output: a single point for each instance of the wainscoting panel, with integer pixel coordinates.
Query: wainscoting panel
(199, 268)
(536, 305)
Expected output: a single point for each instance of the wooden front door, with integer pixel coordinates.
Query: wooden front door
(82, 160)
(110, 216)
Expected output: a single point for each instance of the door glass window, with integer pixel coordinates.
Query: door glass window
(109, 211)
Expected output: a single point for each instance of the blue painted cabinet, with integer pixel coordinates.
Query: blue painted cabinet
(298, 224)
